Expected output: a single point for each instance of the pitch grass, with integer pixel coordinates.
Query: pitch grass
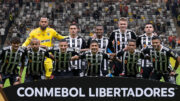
(172, 61)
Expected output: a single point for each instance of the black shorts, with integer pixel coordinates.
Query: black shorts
(12, 78)
(31, 78)
(62, 74)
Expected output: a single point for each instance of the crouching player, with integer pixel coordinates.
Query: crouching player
(36, 57)
(95, 60)
(62, 57)
(11, 58)
(130, 60)
(160, 57)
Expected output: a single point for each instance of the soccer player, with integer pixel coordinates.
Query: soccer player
(121, 36)
(130, 60)
(94, 58)
(62, 58)
(118, 41)
(45, 35)
(102, 41)
(36, 56)
(160, 55)
(78, 43)
(11, 58)
(142, 42)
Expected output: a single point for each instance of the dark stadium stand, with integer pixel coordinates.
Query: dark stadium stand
(9, 10)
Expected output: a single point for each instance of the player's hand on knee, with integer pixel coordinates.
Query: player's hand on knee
(172, 73)
(18, 79)
(16, 83)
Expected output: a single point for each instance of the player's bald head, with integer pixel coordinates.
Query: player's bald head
(44, 19)
(34, 40)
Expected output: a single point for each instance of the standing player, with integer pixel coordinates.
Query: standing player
(118, 41)
(78, 43)
(130, 61)
(120, 36)
(142, 42)
(11, 58)
(36, 57)
(102, 41)
(45, 35)
(95, 66)
(62, 57)
(160, 55)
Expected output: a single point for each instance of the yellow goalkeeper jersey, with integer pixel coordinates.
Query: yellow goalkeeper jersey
(45, 36)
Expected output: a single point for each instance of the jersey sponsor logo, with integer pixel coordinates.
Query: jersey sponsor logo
(118, 42)
(48, 34)
(43, 41)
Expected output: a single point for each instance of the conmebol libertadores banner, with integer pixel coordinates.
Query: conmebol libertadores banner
(93, 89)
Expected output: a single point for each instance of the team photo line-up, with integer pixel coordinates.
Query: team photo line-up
(123, 54)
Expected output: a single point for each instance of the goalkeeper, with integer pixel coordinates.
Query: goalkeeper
(45, 35)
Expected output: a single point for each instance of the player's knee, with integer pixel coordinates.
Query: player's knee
(1, 85)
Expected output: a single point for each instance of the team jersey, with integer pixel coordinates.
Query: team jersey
(143, 40)
(11, 60)
(77, 44)
(120, 39)
(45, 36)
(103, 43)
(160, 59)
(130, 61)
(95, 63)
(35, 65)
(62, 60)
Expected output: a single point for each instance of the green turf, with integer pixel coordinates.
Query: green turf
(172, 61)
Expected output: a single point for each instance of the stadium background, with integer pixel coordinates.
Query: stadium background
(19, 17)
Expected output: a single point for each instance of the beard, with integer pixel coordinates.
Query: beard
(43, 27)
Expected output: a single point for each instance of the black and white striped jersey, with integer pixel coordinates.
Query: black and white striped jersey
(77, 44)
(11, 60)
(95, 63)
(120, 39)
(160, 59)
(62, 60)
(144, 40)
(103, 43)
(35, 65)
(130, 61)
